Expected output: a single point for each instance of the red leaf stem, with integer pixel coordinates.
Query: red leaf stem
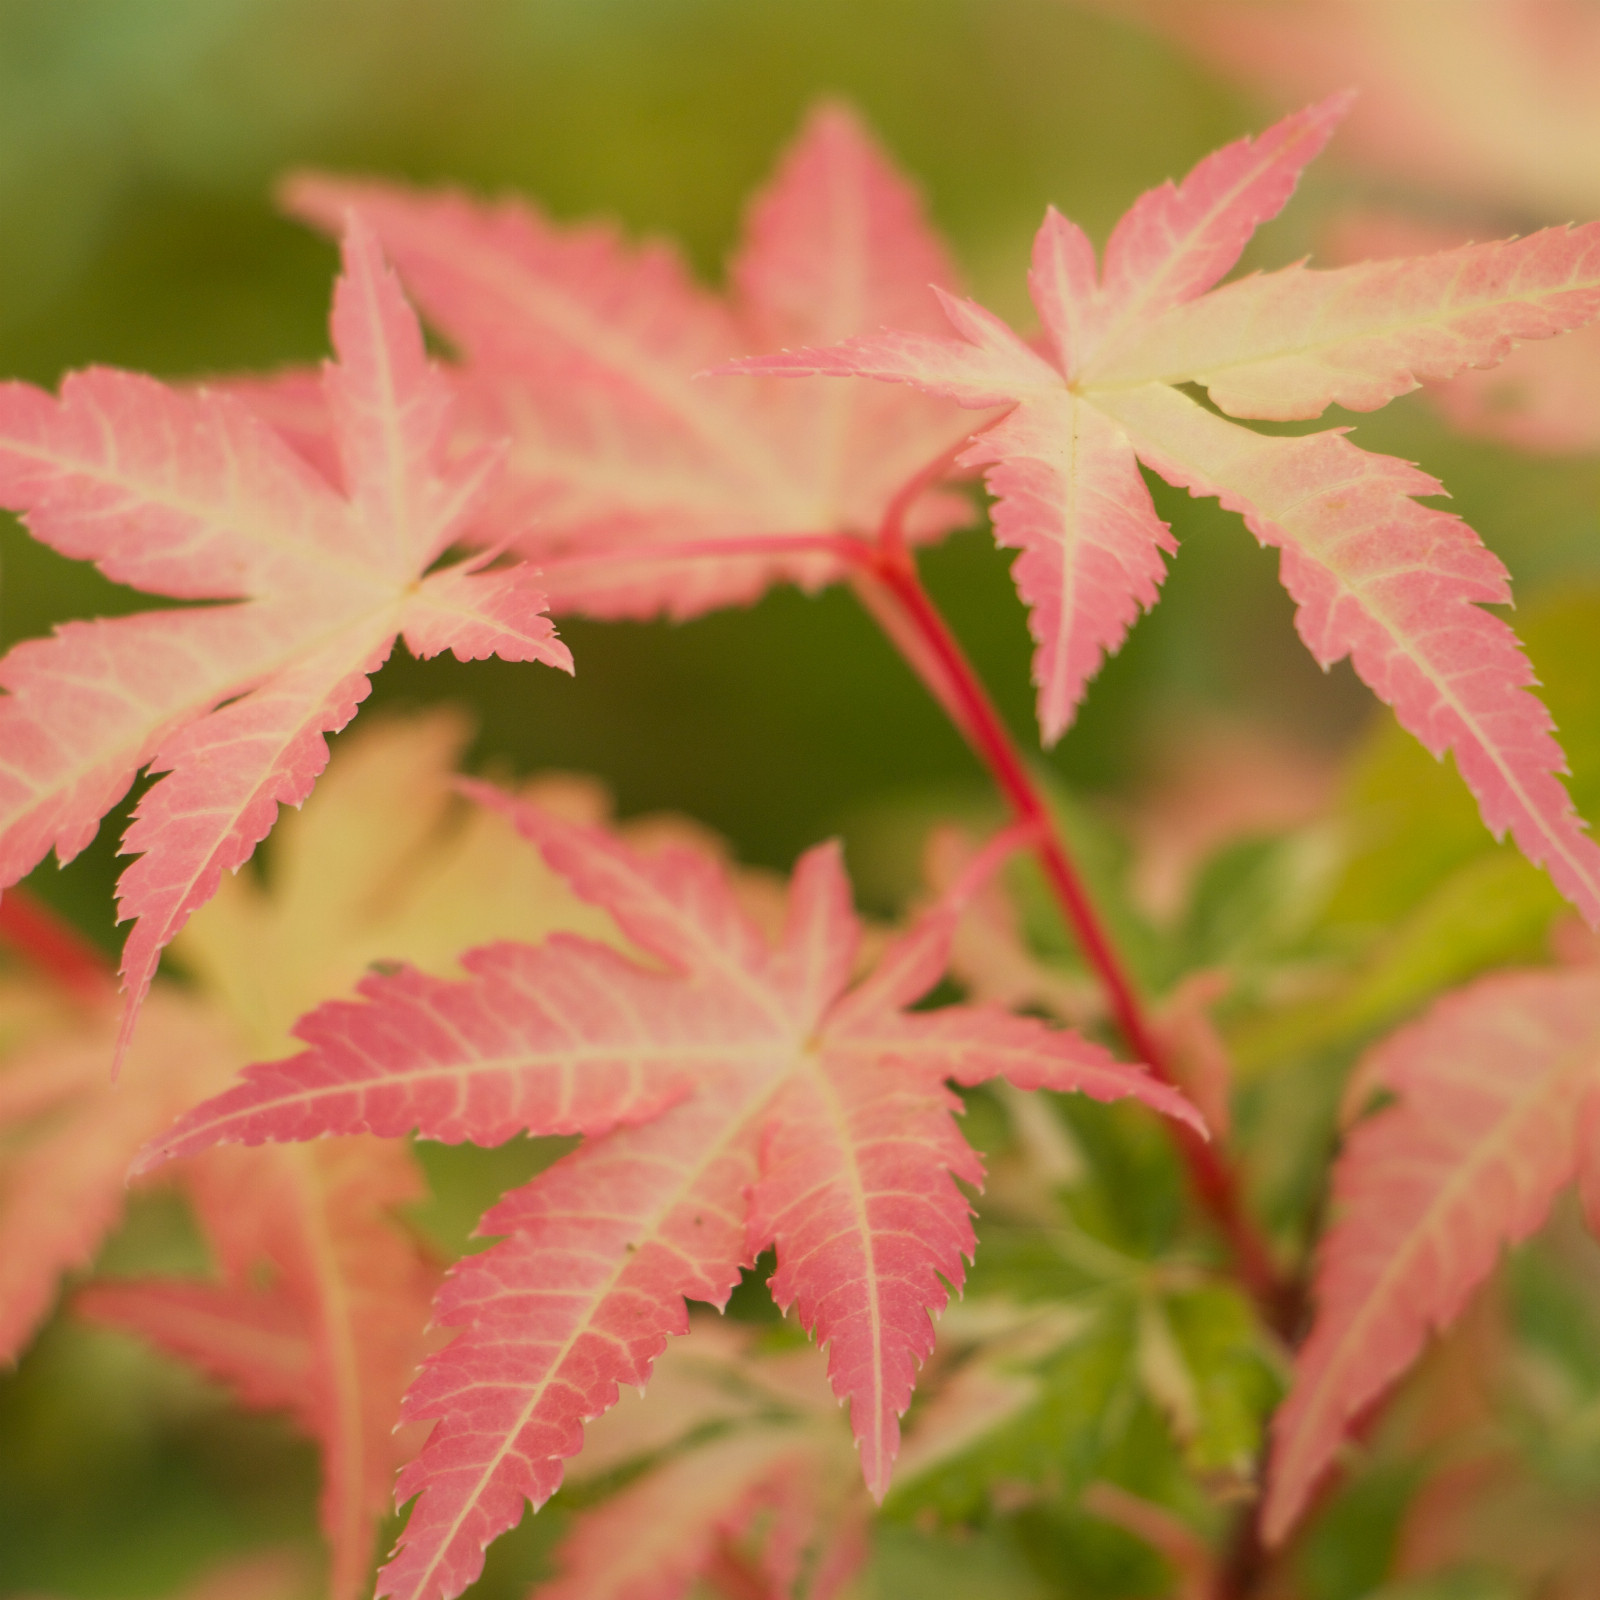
(892, 571)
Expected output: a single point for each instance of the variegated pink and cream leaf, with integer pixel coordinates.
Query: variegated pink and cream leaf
(334, 1333)
(636, 488)
(1395, 586)
(741, 1095)
(188, 494)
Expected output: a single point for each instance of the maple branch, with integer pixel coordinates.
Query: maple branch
(54, 947)
(888, 583)
(1245, 1559)
(888, 572)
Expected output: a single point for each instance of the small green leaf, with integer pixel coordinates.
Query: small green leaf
(1235, 1384)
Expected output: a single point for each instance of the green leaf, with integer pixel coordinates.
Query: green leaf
(1087, 1392)
(1350, 1546)
(1493, 909)
(1255, 898)
(909, 1561)
(1412, 820)
(1234, 1383)
(1427, 899)
(1133, 1197)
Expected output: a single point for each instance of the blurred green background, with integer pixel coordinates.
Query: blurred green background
(139, 144)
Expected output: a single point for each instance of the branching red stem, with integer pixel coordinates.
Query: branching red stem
(1214, 1181)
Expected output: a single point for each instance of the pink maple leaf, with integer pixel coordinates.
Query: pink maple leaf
(1498, 1092)
(188, 494)
(762, 1099)
(333, 1337)
(637, 489)
(1376, 576)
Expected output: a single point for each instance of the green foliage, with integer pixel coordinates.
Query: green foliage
(1349, 1550)
(1235, 1383)
(1461, 1583)
(1425, 898)
(1086, 1399)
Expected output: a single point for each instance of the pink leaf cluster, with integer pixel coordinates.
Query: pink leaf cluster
(190, 495)
(1498, 1092)
(1376, 576)
(735, 1089)
(638, 489)
(735, 1095)
(335, 1334)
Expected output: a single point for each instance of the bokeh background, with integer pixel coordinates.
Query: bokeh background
(139, 144)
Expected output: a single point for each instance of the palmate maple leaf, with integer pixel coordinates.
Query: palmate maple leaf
(188, 494)
(1376, 576)
(637, 489)
(1498, 1092)
(736, 1094)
